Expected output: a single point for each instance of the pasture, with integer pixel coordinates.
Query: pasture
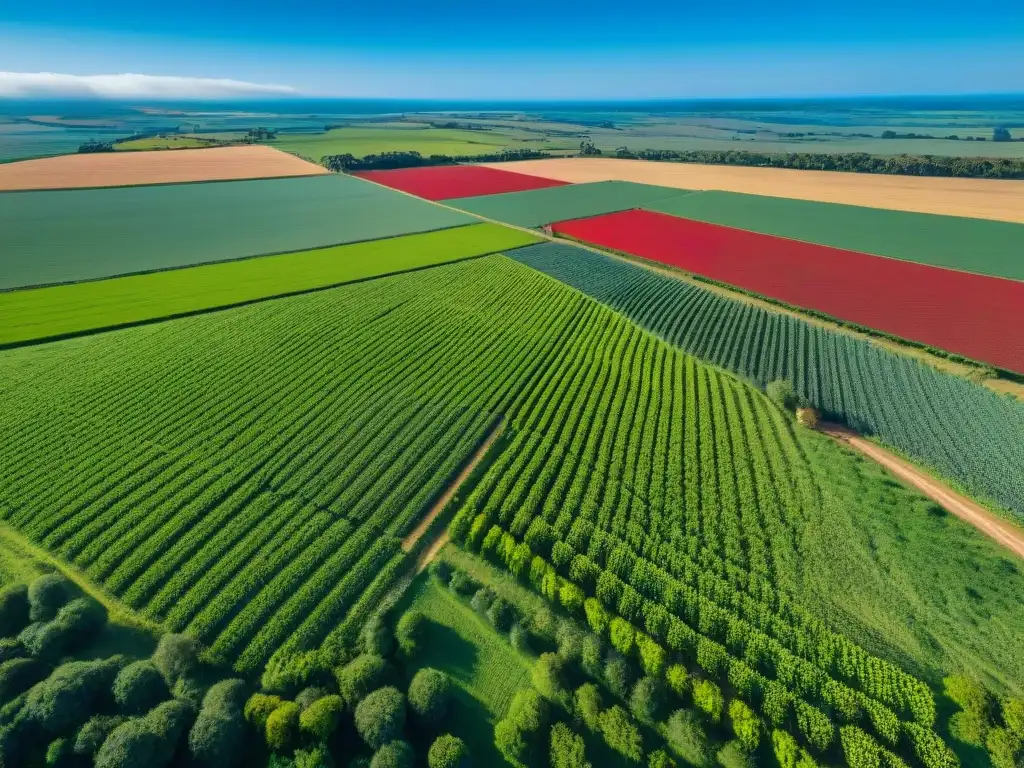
(983, 247)
(966, 314)
(109, 169)
(70, 235)
(536, 208)
(973, 198)
(163, 142)
(65, 310)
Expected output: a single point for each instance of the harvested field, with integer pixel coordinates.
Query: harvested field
(974, 198)
(65, 310)
(971, 315)
(71, 235)
(449, 181)
(974, 245)
(538, 207)
(122, 169)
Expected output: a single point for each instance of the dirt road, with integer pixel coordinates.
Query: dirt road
(417, 533)
(999, 199)
(998, 530)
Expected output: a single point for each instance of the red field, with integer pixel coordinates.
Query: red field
(979, 317)
(444, 182)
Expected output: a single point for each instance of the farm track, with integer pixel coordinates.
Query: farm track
(1000, 531)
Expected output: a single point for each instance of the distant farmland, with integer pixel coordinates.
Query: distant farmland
(971, 315)
(69, 235)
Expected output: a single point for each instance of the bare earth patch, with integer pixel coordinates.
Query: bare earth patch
(121, 169)
(997, 199)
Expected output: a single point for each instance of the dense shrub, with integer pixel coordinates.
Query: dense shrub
(519, 637)
(1013, 716)
(859, 749)
(376, 637)
(567, 748)
(745, 724)
(647, 701)
(282, 726)
(448, 751)
(592, 656)
(18, 675)
(660, 759)
(621, 733)
(409, 631)
(482, 600)
(500, 614)
(1004, 748)
(258, 708)
(47, 594)
(189, 689)
(429, 695)
(678, 680)
(175, 656)
(81, 620)
(14, 610)
(733, 755)
(316, 757)
(394, 754)
(687, 738)
(707, 697)
(462, 583)
(529, 711)
(815, 726)
(321, 718)
(440, 571)
(549, 677)
(60, 754)
(781, 393)
(363, 674)
(618, 676)
(510, 741)
(308, 695)
(139, 687)
(968, 727)
(146, 742)
(91, 736)
(217, 736)
(59, 704)
(380, 716)
(11, 648)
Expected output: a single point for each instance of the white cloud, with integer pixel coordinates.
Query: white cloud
(130, 86)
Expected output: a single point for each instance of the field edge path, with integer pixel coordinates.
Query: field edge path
(1000, 531)
(413, 537)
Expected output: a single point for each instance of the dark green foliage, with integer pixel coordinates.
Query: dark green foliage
(429, 695)
(67, 698)
(91, 736)
(376, 637)
(647, 702)
(688, 739)
(549, 677)
(621, 733)
(380, 716)
(733, 755)
(660, 759)
(308, 695)
(14, 609)
(409, 631)
(510, 741)
(529, 711)
(501, 614)
(569, 639)
(567, 748)
(394, 754)
(618, 676)
(817, 729)
(859, 749)
(592, 655)
(47, 594)
(519, 735)
(19, 675)
(139, 687)
(363, 674)
(519, 637)
(189, 689)
(146, 742)
(588, 706)
(11, 648)
(81, 619)
(282, 726)
(175, 656)
(317, 757)
(321, 718)
(781, 393)
(441, 571)
(217, 737)
(60, 754)
(448, 751)
(482, 600)
(462, 583)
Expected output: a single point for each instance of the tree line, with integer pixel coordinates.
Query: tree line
(410, 159)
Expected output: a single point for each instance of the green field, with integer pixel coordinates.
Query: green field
(63, 310)
(485, 669)
(70, 235)
(573, 201)
(404, 137)
(975, 245)
(163, 142)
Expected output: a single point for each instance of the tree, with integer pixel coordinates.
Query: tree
(660, 759)
(448, 751)
(316, 757)
(588, 706)
(361, 675)
(1013, 716)
(621, 734)
(618, 676)
(307, 696)
(509, 740)
(321, 718)
(687, 738)
(394, 754)
(440, 571)
(549, 677)
(781, 393)
(139, 687)
(648, 699)
(18, 675)
(69, 695)
(380, 716)
(60, 754)
(217, 736)
(860, 750)
(91, 736)
(707, 697)
(785, 748)
(409, 631)
(1004, 748)
(376, 638)
(567, 748)
(733, 755)
(14, 610)
(429, 695)
(175, 656)
(282, 726)
(258, 708)
(1001, 134)
(678, 680)
(745, 724)
(146, 742)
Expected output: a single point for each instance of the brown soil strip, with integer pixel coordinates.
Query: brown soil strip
(121, 169)
(1000, 531)
(998, 199)
(417, 533)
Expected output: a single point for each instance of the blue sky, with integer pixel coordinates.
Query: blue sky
(535, 48)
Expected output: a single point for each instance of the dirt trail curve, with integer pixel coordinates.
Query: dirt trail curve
(417, 533)
(998, 530)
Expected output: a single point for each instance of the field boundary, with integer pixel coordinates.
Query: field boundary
(186, 183)
(971, 512)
